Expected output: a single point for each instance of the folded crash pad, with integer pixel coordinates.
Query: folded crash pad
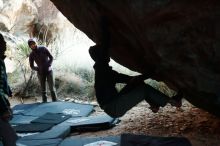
(44, 142)
(92, 123)
(142, 140)
(51, 118)
(95, 141)
(56, 132)
(32, 127)
(68, 108)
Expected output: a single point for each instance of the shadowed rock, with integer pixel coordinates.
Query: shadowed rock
(177, 42)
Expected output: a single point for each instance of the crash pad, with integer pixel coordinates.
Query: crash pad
(56, 132)
(24, 108)
(126, 140)
(68, 108)
(91, 123)
(51, 118)
(44, 142)
(93, 141)
(135, 140)
(32, 127)
(21, 119)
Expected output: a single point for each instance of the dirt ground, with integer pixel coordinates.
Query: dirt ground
(200, 127)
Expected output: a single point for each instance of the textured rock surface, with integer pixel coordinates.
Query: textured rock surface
(29, 17)
(17, 16)
(176, 41)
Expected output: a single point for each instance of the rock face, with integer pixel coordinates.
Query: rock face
(16, 16)
(177, 42)
(29, 18)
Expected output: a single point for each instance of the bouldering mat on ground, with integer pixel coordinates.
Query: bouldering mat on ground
(32, 127)
(143, 140)
(57, 131)
(44, 142)
(92, 123)
(24, 108)
(51, 118)
(68, 108)
(21, 119)
(126, 140)
(96, 141)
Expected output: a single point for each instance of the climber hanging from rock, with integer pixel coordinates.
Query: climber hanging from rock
(116, 103)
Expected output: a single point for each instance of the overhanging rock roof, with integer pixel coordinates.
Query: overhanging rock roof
(177, 42)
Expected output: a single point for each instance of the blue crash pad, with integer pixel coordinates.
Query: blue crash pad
(92, 123)
(135, 140)
(24, 108)
(51, 118)
(32, 127)
(77, 141)
(57, 131)
(21, 119)
(45, 142)
(68, 108)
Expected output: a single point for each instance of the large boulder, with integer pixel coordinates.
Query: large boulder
(35, 18)
(177, 42)
(17, 16)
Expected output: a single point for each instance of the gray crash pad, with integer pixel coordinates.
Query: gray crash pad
(21, 119)
(56, 132)
(68, 108)
(143, 140)
(92, 123)
(51, 118)
(44, 142)
(24, 108)
(32, 127)
(99, 141)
